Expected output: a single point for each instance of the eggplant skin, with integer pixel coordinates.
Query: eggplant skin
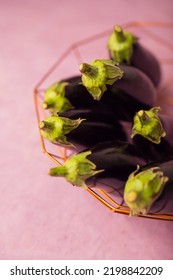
(122, 104)
(117, 158)
(137, 84)
(73, 80)
(164, 203)
(77, 94)
(153, 151)
(89, 133)
(97, 126)
(160, 151)
(98, 115)
(146, 61)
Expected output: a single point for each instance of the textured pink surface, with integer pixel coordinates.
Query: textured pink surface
(43, 217)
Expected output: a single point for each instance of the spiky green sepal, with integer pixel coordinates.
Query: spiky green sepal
(120, 45)
(148, 125)
(77, 169)
(56, 129)
(142, 189)
(55, 100)
(98, 74)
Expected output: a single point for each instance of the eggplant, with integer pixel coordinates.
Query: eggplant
(147, 62)
(90, 133)
(125, 48)
(110, 159)
(153, 133)
(150, 188)
(97, 115)
(67, 94)
(79, 132)
(100, 73)
(116, 112)
(55, 128)
(115, 103)
(153, 151)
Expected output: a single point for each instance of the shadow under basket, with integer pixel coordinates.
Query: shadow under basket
(84, 50)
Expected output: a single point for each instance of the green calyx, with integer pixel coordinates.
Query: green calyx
(55, 100)
(148, 124)
(142, 189)
(55, 128)
(120, 45)
(98, 74)
(77, 169)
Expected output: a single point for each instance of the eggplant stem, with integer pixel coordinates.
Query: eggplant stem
(44, 105)
(88, 69)
(119, 33)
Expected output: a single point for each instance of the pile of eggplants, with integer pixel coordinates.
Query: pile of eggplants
(107, 115)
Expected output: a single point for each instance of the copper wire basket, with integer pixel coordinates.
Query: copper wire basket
(76, 53)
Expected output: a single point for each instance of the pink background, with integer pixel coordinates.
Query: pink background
(43, 217)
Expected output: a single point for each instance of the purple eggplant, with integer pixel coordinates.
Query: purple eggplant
(79, 132)
(90, 133)
(111, 159)
(150, 188)
(152, 150)
(114, 102)
(101, 73)
(67, 94)
(153, 133)
(125, 48)
(97, 115)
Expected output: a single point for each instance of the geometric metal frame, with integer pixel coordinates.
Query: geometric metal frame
(62, 153)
